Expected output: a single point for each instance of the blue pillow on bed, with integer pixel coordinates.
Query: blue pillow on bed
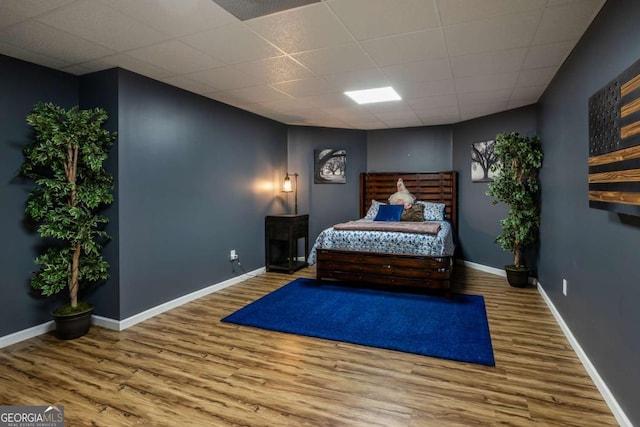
(389, 213)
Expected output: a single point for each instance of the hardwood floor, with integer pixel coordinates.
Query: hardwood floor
(186, 368)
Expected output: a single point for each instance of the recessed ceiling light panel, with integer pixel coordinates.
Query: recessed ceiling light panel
(379, 94)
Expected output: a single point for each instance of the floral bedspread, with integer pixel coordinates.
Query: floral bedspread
(441, 244)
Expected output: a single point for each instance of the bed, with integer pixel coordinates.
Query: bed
(394, 264)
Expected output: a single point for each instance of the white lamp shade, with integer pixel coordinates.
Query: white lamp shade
(286, 187)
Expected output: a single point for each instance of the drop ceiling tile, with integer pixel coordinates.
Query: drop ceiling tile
(434, 111)
(417, 90)
(548, 55)
(404, 114)
(30, 8)
(78, 70)
(356, 80)
(10, 17)
(252, 108)
(439, 115)
(493, 96)
(472, 111)
(390, 17)
(304, 87)
(175, 57)
(128, 63)
(559, 2)
(433, 102)
(232, 44)
(331, 100)
(418, 46)
(338, 59)
(499, 33)
(362, 118)
(175, 17)
(486, 83)
(528, 93)
(188, 84)
(517, 103)
(39, 38)
(225, 78)
(322, 119)
(536, 77)
(291, 105)
(442, 119)
(566, 21)
(400, 123)
(364, 123)
(349, 114)
(305, 28)
(102, 25)
(33, 57)
(254, 94)
(457, 11)
(391, 107)
(216, 55)
(488, 62)
(274, 70)
(421, 71)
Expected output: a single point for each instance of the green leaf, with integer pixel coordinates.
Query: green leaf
(516, 185)
(67, 209)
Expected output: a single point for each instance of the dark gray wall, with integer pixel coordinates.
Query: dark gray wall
(101, 90)
(596, 251)
(421, 149)
(326, 204)
(196, 179)
(21, 86)
(478, 218)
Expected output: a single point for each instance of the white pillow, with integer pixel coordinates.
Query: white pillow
(373, 209)
(433, 211)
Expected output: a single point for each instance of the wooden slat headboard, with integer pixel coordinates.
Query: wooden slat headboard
(436, 187)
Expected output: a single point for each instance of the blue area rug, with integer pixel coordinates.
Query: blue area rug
(430, 325)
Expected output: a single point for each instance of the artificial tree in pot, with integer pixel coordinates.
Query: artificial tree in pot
(71, 187)
(516, 184)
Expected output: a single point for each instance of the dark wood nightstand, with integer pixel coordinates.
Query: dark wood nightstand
(281, 235)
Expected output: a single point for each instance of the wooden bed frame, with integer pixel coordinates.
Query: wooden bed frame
(421, 271)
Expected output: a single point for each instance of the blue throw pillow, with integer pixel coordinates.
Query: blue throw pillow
(389, 213)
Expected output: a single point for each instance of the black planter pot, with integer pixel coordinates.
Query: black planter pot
(72, 326)
(518, 277)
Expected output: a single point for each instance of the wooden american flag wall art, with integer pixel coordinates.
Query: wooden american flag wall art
(614, 144)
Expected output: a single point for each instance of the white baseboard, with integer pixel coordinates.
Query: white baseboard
(120, 325)
(608, 397)
(492, 270)
(485, 268)
(25, 334)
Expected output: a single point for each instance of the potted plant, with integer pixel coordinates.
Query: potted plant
(71, 187)
(516, 184)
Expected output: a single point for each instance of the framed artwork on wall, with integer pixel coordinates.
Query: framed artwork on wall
(484, 163)
(614, 144)
(329, 166)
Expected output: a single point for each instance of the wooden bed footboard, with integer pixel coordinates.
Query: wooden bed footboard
(385, 269)
(422, 271)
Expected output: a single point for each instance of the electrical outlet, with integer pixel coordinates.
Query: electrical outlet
(233, 255)
(564, 287)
